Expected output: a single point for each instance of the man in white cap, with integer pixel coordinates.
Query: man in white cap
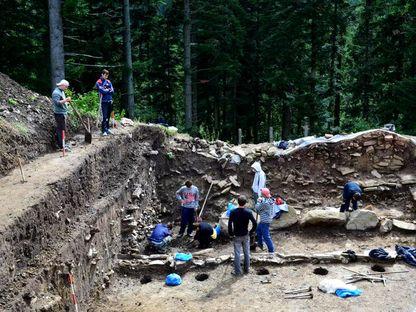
(60, 109)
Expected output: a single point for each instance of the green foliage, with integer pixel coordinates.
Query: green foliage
(356, 124)
(11, 101)
(87, 103)
(347, 65)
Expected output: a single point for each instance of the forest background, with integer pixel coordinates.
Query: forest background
(337, 65)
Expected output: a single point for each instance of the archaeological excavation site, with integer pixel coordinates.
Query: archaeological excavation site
(74, 230)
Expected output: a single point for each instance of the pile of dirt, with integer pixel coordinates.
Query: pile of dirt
(26, 124)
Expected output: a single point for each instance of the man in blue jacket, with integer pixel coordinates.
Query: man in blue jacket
(106, 91)
(161, 237)
(352, 192)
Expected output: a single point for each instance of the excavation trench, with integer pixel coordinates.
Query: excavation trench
(92, 220)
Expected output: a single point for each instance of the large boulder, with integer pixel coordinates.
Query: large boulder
(286, 220)
(328, 216)
(362, 220)
(386, 226)
(223, 222)
(407, 226)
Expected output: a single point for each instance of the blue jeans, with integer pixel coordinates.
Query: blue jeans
(241, 241)
(107, 108)
(263, 233)
(187, 219)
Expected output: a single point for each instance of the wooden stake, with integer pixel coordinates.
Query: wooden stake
(21, 170)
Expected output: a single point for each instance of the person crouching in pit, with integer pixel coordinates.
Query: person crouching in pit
(161, 237)
(352, 193)
(205, 234)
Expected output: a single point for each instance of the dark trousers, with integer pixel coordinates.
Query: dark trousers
(346, 205)
(106, 108)
(187, 219)
(60, 126)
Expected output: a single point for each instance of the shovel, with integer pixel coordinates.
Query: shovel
(87, 135)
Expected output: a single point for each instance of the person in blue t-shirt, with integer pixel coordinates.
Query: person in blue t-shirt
(161, 236)
(352, 192)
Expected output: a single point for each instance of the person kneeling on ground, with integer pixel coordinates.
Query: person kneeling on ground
(238, 231)
(188, 196)
(352, 192)
(206, 234)
(264, 207)
(161, 237)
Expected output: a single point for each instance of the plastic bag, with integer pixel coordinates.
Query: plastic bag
(345, 293)
(183, 256)
(173, 280)
(331, 285)
(230, 207)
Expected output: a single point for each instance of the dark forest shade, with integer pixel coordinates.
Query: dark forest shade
(255, 64)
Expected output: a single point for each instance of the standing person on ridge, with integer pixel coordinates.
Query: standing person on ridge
(188, 196)
(106, 91)
(60, 109)
(264, 208)
(259, 180)
(238, 230)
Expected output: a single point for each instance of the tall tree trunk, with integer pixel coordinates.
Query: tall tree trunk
(338, 78)
(188, 79)
(314, 56)
(128, 64)
(286, 120)
(194, 90)
(334, 33)
(56, 38)
(367, 77)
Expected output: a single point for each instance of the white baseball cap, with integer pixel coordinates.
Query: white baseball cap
(63, 82)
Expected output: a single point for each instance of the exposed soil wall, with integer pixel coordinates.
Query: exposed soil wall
(50, 238)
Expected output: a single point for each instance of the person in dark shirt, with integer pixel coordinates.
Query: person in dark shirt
(352, 192)
(205, 234)
(238, 230)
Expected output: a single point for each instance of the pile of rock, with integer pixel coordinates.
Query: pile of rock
(380, 150)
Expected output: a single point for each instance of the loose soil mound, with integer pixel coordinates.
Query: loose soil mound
(26, 124)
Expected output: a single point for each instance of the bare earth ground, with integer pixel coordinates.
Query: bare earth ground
(15, 196)
(223, 292)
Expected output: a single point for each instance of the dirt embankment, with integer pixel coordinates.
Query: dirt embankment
(71, 221)
(26, 124)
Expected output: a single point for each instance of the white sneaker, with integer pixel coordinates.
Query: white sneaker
(109, 131)
(105, 134)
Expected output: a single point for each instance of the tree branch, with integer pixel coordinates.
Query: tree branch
(81, 54)
(92, 65)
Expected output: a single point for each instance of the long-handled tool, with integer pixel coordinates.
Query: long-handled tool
(205, 201)
(88, 136)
